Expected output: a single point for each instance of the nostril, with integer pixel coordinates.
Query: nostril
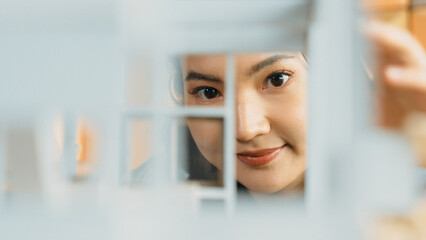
(250, 118)
(249, 130)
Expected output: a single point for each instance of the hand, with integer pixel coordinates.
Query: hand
(400, 73)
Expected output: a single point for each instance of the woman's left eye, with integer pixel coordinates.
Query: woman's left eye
(276, 80)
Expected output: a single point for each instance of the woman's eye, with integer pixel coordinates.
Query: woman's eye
(207, 93)
(277, 79)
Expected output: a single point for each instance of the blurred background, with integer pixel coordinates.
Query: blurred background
(85, 99)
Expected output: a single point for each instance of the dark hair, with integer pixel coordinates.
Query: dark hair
(197, 165)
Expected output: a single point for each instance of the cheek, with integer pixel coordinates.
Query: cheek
(290, 121)
(208, 135)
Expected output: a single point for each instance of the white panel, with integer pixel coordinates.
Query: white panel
(55, 71)
(212, 26)
(190, 13)
(36, 16)
(229, 137)
(210, 193)
(222, 39)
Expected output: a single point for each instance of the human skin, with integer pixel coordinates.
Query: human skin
(272, 117)
(270, 114)
(400, 73)
(401, 79)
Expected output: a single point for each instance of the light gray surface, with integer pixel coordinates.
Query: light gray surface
(73, 56)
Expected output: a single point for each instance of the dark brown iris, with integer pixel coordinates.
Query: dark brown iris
(210, 93)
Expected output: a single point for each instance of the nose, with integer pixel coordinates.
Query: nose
(250, 117)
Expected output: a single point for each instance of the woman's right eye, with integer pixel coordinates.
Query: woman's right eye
(206, 93)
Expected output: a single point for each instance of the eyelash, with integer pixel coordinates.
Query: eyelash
(288, 75)
(197, 90)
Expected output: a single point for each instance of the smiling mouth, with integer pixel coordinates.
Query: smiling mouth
(259, 157)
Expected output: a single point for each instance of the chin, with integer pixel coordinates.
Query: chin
(272, 180)
(267, 187)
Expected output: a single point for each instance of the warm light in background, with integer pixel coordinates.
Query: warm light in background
(394, 12)
(418, 21)
(85, 149)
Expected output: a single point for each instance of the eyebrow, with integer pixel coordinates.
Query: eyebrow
(204, 77)
(268, 62)
(254, 69)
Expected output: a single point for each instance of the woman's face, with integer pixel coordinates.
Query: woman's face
(270, 115)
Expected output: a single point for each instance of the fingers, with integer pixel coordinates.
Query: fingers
(395, 43)
(385, 36)
(405, 78)
(410, 84)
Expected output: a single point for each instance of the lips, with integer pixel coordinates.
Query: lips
(259, 157)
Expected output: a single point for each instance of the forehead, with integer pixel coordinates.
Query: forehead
(214, 62)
